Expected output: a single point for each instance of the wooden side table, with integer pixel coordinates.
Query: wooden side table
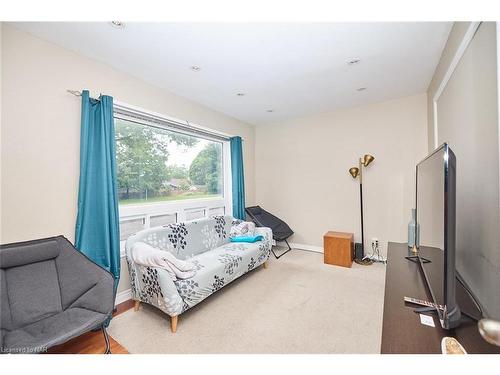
(338, 248)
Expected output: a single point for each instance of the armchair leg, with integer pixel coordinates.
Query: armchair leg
(173, 323)
(106, 340)
(136, 305)
(279, 256)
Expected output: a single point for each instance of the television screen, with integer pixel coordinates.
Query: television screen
(435, 203)
(430, 211)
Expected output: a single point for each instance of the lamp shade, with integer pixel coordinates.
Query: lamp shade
(354, 171)
(367, 159)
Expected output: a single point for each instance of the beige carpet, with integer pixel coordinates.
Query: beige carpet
(297, 305)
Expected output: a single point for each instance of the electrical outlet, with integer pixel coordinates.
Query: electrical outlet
(375, 243)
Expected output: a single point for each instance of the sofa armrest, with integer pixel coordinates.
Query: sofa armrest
(173, 301)
(155, 286)
(267, 233)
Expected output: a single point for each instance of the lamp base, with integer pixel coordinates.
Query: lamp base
(358, 251)
(359, 257)
(364, 262)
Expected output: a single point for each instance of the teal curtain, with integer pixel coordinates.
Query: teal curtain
(237, 178)
(97, 224)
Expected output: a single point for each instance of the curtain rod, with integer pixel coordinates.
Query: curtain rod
(74, 92)
(78, 93)
(125, 106)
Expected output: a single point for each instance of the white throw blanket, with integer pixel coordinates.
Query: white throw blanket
(148, 256)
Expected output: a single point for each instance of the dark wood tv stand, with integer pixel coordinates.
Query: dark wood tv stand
(402, 331)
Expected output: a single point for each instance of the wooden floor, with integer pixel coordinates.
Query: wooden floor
(93, 342)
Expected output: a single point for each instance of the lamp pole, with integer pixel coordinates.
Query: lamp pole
(361, 204)
(358, 172)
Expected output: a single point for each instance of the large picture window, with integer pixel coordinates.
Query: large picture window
(159, 165)
(168, 170)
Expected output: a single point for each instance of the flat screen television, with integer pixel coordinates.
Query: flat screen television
(435, 215)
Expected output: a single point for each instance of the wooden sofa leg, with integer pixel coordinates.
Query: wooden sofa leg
(136, 305)
(173, 323)
(265, 264)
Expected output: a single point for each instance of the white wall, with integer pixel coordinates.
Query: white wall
(455, 37)
(302, 170)
(467, 114)
(41, 131)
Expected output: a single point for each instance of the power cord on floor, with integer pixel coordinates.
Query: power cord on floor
(375, 254)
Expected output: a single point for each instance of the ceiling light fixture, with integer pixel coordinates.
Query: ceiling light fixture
(240, 94)
(117, 24)
(361, 89)
(195, 68)
(270, 110)
(353, 61)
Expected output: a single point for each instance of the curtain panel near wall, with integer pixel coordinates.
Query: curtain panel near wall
(238, 180)
(97, 224)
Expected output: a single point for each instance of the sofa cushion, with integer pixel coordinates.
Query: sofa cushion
(206, 234)
(54, 330)
(219, 267)
(187, 239)
(33, 292)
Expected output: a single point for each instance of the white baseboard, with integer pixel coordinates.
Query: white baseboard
(123, 296)
(317, 249)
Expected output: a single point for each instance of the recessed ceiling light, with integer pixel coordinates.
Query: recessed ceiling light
(361, 89)
(353, 61)
(269, 110)
(240, 94)
(195, 68)
(117, 24)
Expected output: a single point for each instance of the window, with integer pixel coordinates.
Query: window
(216, 211)
(195, 213)
(168, 171)
(159, 165)
(129, 226)
(157, 220)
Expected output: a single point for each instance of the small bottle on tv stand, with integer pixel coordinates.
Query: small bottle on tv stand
(413, 230)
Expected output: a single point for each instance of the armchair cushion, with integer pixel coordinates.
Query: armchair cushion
(53, 331)
(33, 292)
(22, 253)
(5, 314)
(78, 274)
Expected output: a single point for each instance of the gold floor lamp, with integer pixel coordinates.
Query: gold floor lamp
(355, 173)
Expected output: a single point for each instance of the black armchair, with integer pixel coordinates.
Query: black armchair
(262, 218)
(50, 293)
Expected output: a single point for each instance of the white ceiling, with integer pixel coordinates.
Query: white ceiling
(293, 68)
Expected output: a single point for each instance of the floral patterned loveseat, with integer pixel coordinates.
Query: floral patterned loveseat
(206, 244)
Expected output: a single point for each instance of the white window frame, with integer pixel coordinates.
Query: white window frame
(179, 208)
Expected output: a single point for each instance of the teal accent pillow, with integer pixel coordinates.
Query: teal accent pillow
(250, 239)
